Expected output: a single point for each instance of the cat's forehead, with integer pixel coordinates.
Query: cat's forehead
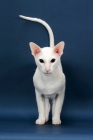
(47, 50)
(47, 53)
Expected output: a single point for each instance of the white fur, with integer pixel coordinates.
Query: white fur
(49, 79)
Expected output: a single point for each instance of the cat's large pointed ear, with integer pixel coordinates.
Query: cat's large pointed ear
(34, 48)
(59, 48)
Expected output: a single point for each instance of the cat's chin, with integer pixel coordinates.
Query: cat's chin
(47, 74)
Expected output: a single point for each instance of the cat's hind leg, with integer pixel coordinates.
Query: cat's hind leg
(47, 109)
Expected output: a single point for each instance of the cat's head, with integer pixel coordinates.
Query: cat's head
(47, 59)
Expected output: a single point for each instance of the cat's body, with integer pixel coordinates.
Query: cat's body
(49, 85)
(49, 79)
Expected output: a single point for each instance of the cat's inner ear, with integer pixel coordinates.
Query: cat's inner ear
(59, 48)
(35, 49)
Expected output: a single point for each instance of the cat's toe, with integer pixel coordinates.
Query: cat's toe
(56, 121)
(40, 121)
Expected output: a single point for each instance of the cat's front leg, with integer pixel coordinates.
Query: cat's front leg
(41, 110)
(56, 107)
(47, 109)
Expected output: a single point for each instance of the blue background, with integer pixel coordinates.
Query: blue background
(71, 22)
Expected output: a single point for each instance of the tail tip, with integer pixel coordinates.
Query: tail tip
(20, 16)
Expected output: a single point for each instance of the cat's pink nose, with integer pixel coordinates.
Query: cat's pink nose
(47, 70)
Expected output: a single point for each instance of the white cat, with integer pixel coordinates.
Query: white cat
(49, 79)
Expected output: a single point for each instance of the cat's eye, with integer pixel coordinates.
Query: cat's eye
(53, 60)
(41, 60)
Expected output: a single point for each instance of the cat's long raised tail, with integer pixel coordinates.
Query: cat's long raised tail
(51, 36)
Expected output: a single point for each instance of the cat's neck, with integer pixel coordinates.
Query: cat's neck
(54, 75)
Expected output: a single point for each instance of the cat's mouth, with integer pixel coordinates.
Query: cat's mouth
(47, 73)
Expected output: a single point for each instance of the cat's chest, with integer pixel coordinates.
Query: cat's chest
(47, 89)
(50, 87)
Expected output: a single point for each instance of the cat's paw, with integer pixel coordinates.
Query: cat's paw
(40, 121)
(56, 121)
